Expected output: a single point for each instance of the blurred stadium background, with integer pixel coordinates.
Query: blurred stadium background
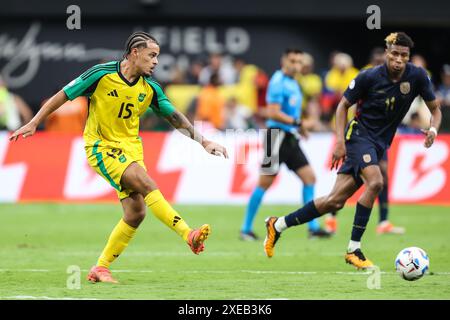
(242, 43)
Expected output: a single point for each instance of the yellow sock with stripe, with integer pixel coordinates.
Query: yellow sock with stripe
(164, 212)
(117, 242)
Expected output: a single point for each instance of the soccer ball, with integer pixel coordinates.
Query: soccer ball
(412, 263)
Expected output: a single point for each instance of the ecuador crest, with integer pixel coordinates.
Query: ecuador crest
(405, 87)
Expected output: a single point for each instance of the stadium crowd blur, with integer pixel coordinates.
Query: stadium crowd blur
(227, 92)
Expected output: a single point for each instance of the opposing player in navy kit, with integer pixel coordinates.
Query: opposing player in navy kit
(377, 57)
(383, 95)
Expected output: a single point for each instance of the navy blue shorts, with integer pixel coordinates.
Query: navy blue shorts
(361, 152)
(385, 157)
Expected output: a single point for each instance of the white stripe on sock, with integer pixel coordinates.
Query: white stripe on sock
(353, 245)
(280, 224)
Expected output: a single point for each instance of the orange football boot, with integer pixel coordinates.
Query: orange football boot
(331, 224)
(197, 237)
(387, 227)
(100, 274)
(358, 259)
(272, 236)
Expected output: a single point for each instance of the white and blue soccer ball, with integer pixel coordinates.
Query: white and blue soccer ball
(412, 263)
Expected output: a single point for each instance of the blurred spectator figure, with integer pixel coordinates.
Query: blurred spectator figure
(341, 74)
(69, 118)
(419, 61)
(223, 68)
(14, 111)
(443, 91)
(336, 82)
(178, 76)
(251, 89)
(311, 85)
(376, 58)
(238, 65)
(237, 116)
(413, 127)
(191, 110)
(211, 104)
(418, 105)
(261, 82)
(193, 74)
(443, 95)
(255, 81)
(331, 57)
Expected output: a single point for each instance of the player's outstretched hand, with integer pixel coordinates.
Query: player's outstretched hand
(338, 155)
(429, 138)
(304, 132)
(26, 131)
(215, 149)
(306, 127)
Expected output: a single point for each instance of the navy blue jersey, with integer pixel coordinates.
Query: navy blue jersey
(382, 103)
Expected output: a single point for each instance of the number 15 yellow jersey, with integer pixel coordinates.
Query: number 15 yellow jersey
(115, 104)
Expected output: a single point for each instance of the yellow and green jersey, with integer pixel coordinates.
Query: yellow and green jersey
(115, 104)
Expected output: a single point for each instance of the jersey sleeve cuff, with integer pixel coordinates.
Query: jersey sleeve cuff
(68, 95)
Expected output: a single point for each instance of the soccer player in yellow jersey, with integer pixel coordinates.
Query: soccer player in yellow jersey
(119, 92)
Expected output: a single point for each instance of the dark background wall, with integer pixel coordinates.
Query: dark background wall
(38, 54)
(399, 11)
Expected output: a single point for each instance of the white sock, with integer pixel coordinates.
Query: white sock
(353, 245)
(280, 224)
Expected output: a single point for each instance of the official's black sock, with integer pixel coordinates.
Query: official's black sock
(362, 216)
(305, 214)
(383, 203)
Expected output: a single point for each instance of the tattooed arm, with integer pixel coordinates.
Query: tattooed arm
(182, 124)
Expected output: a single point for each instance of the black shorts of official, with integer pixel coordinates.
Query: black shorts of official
(281, 147)
(361, 152)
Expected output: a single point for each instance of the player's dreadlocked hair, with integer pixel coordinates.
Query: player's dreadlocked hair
(399, 39)
(138, 40)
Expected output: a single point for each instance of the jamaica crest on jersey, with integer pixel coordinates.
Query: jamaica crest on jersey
(405, 87)
(141, 97)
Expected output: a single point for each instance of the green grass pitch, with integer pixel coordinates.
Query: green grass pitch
(38, 242)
